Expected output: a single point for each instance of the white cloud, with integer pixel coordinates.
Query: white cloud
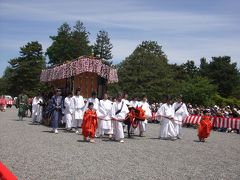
(196, 48)
(180, 50)
(123, 48)
(117, 14)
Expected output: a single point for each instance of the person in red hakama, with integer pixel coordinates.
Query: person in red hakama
(205, 126)
(90, 123)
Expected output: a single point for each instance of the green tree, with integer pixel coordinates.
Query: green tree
(146, 71)
(60, 50)
(69, 44)
(198, 90)
(24, 71)
(3, 86)
(80, 41)
(190, 68)
(203, 67)
(179, 73)
(5, 81)
(236, 91)
(223, 73)
(102, 48)
(221, 101)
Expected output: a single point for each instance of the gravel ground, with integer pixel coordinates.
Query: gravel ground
(32, 152)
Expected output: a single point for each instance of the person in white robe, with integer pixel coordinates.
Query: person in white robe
(104, 117)
(118, 114)
(37, 106)
(181, 112)
(134, 102)
(148, 113)
(78, 110)
(94, 100)
(125, 99)
(166, 116)
(68, 110)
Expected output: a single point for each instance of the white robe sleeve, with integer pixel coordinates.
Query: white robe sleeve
(101, 112)
(71, 105)
(96, 104)
(160, 113)
(148, 111)
(185, 111)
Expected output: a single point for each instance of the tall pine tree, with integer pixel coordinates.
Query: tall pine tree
(69, 44)
(80, 41)
(24, 71)
(102, 48)
(60, 50)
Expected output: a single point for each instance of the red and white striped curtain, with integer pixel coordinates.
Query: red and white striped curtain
(218, 122)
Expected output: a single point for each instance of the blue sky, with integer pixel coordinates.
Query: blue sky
(186, 29)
